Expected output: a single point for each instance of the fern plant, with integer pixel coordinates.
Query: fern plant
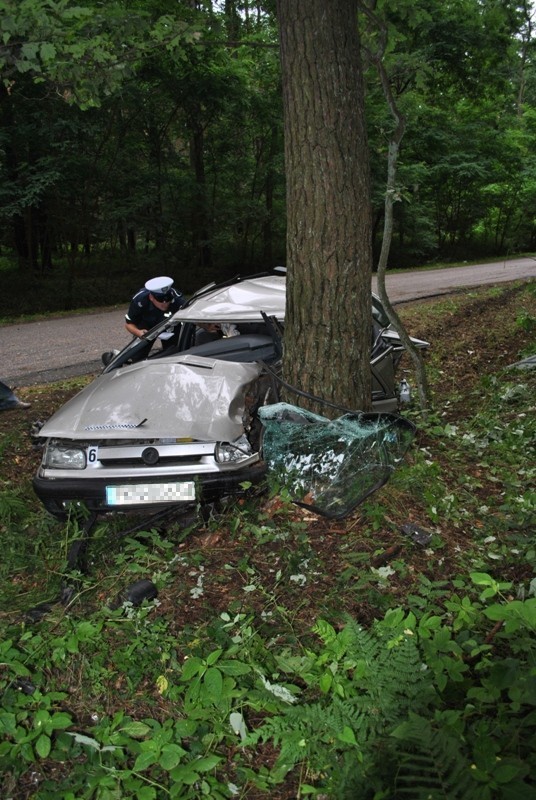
(343, 734)
(12, 507)
(430, 762)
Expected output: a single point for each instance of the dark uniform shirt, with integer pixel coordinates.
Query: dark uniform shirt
(145, 315)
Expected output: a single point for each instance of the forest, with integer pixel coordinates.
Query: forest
(147, 137)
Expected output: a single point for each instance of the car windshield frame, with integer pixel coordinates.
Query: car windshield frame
(140, 349)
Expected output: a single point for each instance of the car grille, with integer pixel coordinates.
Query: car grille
(162, 461)
(185, 454)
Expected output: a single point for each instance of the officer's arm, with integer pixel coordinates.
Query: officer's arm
(134, 330)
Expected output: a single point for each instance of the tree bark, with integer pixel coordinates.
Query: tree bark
(391, 195)
(329, 257)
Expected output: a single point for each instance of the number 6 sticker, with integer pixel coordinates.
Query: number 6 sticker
(92, 456)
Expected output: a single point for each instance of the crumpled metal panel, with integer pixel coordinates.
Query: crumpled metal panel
(331, 466)
(241, 302)
(183, 397)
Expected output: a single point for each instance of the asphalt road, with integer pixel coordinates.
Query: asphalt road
(52, 349)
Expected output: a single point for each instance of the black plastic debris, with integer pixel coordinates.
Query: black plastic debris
(140, 591)
(36, 613)
(417, 534)
(136, 593)
(24, 686)
(331, 466)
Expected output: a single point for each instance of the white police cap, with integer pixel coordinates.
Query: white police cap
(160, 285)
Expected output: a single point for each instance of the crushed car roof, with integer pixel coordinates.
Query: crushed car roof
(242, 301)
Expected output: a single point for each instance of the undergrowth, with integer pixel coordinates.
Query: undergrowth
(286, 657)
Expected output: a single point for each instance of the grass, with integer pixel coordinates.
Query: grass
(287, 655)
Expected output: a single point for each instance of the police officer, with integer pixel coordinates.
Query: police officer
(156, 301)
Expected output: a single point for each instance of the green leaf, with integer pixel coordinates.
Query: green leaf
(505, 773)
(146, 793)
(430, 623)
(27, 752)
(347, 736)
(213, 682)
(135, 729)
(191, 667)
(185, 727)
(205, 764)
(394, 617)
(8, 723)
(29, 50)
(47, 51)
(41, 718)
(213, 657)
(482, 579)
(86, 631)
(325, 682)
(71, 644)
(522, 610)
(325, 631)
(42, 746)
(234, 668)
(145, 760)
(170, 756)
(184, 774)
(60, 720)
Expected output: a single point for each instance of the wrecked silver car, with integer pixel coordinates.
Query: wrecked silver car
(173, 418)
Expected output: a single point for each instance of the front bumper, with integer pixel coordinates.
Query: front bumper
(92, 492)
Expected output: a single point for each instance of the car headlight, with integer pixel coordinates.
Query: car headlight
(59, 455)
(231, 452)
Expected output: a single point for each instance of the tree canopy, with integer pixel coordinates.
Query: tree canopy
(152, 133)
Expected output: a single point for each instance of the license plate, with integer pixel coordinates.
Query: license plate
(148, 493)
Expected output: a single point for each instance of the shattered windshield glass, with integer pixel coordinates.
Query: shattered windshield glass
(330, 466)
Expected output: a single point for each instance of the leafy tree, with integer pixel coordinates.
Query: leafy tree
(200, 123)
(376, 57)
(453, 73)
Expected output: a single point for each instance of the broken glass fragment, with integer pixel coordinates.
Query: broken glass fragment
(331, 466)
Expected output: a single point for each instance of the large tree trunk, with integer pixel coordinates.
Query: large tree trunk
(327, 329)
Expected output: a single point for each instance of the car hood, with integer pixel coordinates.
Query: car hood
(240, 302)
(178, 397)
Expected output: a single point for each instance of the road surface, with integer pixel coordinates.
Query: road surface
(52, 349)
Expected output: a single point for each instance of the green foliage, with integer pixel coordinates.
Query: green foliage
(12, 505)
(526, 321)
(201, 123)
(430, 762)
(368, 681)
(381, 724)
